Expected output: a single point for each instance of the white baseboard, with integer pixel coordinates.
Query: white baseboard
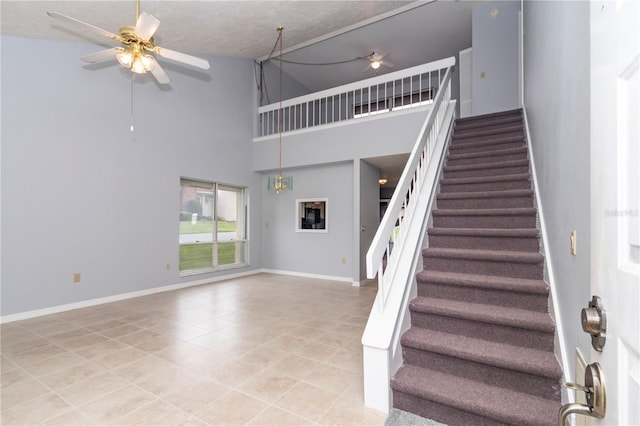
(365, 283)
(564, 354)
(101, 300)
(306, 275)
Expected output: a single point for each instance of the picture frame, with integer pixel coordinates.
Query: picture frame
(312, 215)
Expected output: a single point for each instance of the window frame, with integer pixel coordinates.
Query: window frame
(241, 239)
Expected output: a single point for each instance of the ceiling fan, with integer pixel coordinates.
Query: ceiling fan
(136, 52)
(375, 61)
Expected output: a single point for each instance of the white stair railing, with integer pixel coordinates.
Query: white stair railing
(394, 91)
(395, 252)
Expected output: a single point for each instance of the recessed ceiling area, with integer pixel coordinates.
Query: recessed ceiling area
(391, 167)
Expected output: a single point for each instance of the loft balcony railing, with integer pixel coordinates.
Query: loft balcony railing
(394, 91)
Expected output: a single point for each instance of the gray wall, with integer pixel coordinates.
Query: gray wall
(495, 53)
(369, 217)
(81, 194)
(556, 97)
(361, 138)
(327, 254)
(291, 88)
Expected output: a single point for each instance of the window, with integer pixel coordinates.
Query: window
(212, 226)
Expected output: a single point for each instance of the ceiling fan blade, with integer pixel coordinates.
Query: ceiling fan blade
(367, 68)
(183, 57)
(102, 55)
(146, 26)
(98, 30)
(159, 73)
(387, 64)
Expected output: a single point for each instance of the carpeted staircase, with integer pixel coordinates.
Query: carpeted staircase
(480, 350)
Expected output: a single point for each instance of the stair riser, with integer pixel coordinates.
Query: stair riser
(485, 203)
(495, 222)
(485, 186)
(476, 122)
(489, 128)
(484, 267)
(530, 244)
(519, 156)
(480, 148)
(527, 301)
(481, 135)
(533, 339)
(491, 375)
(484, 172)
(439, 412)
(517, 135)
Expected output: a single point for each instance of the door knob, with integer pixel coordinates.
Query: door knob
(594, 322)
(595, 395)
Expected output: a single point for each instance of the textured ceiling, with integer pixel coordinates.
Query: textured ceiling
(409, 33)
(228, 28)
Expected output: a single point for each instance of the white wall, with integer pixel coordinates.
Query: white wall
(496, 54)
(81, 194)
(556, 97)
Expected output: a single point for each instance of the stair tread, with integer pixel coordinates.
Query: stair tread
(487, 232)
(486, 179)
(467, 395)
(495, 282)
(482, 254)
(490, 314)
(507, 211)
(486, 194)
(488, 165)
(517, 358)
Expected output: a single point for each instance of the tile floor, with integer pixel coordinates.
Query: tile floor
(259, 350)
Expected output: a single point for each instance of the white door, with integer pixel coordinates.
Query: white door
(615, 207)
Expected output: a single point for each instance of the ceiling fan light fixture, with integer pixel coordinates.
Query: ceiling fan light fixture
(142, 63)
(137, 66)
(375, 64)
(125, 58)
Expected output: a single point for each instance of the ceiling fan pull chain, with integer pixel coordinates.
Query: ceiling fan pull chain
(132, 77)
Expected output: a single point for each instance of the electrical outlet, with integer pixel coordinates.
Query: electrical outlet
(168, 266)
(344, 260)
(76, 277)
